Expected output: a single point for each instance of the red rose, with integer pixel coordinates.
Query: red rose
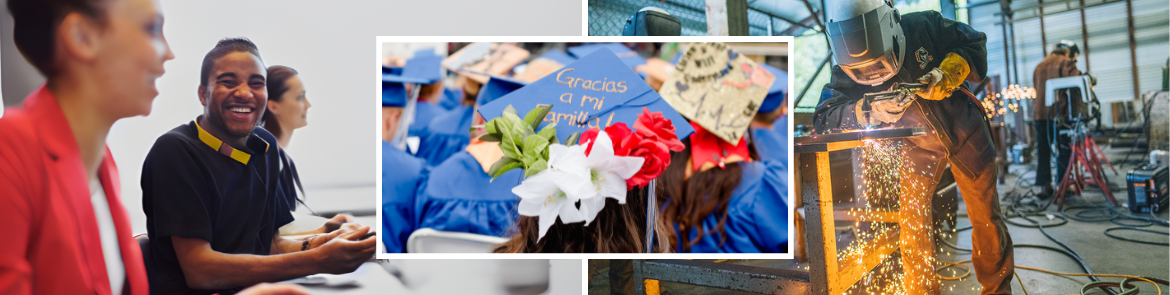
(656, 158)
(646, 143)
(655, 127)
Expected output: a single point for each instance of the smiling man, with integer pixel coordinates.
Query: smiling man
(213, 197)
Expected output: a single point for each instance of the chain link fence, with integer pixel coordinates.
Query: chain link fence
(607, 17)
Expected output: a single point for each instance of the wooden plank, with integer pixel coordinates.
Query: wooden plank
(872, 216)
(761, 280)
(855, 265)
(818, 206)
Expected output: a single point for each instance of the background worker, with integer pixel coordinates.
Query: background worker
(1062, 62)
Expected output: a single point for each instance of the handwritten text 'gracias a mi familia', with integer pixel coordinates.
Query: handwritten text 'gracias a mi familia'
(581, 118)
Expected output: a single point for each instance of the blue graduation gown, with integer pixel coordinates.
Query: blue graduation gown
(451, 98)
(462, 198)
(423, 115)
(446, 135)
(757, 219)
(402, 174)
(771, 143)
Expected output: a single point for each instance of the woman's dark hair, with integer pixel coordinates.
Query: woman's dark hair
(35, 22)
(688, 201)
(277, 76)
(618, 228)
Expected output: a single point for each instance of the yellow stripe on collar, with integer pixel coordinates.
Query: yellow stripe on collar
(221, 147)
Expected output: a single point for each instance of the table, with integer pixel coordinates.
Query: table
(370, 278)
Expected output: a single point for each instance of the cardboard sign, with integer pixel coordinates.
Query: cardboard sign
(718, 88)
(596, 91)
(628, 57)
(480, 60)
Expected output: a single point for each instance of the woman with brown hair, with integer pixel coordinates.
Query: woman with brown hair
(60, 199)
(288, 110)
(731, 203)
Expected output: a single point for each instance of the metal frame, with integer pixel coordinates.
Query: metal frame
(828, 273)
(760, 280)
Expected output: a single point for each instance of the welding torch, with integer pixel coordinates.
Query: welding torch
(899, 90)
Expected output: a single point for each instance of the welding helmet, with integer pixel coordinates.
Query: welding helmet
(866, 38)
(1067, 45)
(652, 21)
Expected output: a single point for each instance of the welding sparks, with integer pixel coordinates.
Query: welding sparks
(887, 175)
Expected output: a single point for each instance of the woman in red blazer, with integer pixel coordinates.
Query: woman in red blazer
(101, 59)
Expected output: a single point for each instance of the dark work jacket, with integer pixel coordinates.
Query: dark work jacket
(961, 125)
(1053, 66)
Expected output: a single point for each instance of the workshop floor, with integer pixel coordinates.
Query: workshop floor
(1103, 255)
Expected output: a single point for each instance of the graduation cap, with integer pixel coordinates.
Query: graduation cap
(558, 56)
(479, 61)
(429, 51)
(495, 88)
(392, 70)
(597, 90)
(425, 65)
(717, 88)
(627, 56)
(777, 92)
(394, 88)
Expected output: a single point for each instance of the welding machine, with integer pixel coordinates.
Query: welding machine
(1147, 188)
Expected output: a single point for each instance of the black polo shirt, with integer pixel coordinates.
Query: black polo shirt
(196, 186)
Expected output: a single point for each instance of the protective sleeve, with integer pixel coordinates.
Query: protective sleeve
(839, 111)
(964, 40)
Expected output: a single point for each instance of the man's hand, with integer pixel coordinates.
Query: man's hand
(274, 289)
(347, 251)
(933, 90)
(338, 221)
(944, 79)
(884, 111)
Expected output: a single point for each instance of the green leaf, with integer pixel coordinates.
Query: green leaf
(536, 115)
(536, 167)
(490, 137)
(509, 149)
(506, 168)
(491, 126)
(572, 140)
(510, 110)
(528, 159)
(548, 132)
(534, 145)
(495, 169)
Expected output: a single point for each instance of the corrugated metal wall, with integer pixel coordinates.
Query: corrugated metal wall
(607, 17)
(1109, 55)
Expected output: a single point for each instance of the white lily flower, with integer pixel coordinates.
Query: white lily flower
(572, 177)
(608, 175)
(541, 196)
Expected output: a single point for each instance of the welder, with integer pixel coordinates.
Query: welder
(876, 49)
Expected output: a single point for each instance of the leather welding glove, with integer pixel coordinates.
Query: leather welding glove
(943, 80)
(884, 111)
